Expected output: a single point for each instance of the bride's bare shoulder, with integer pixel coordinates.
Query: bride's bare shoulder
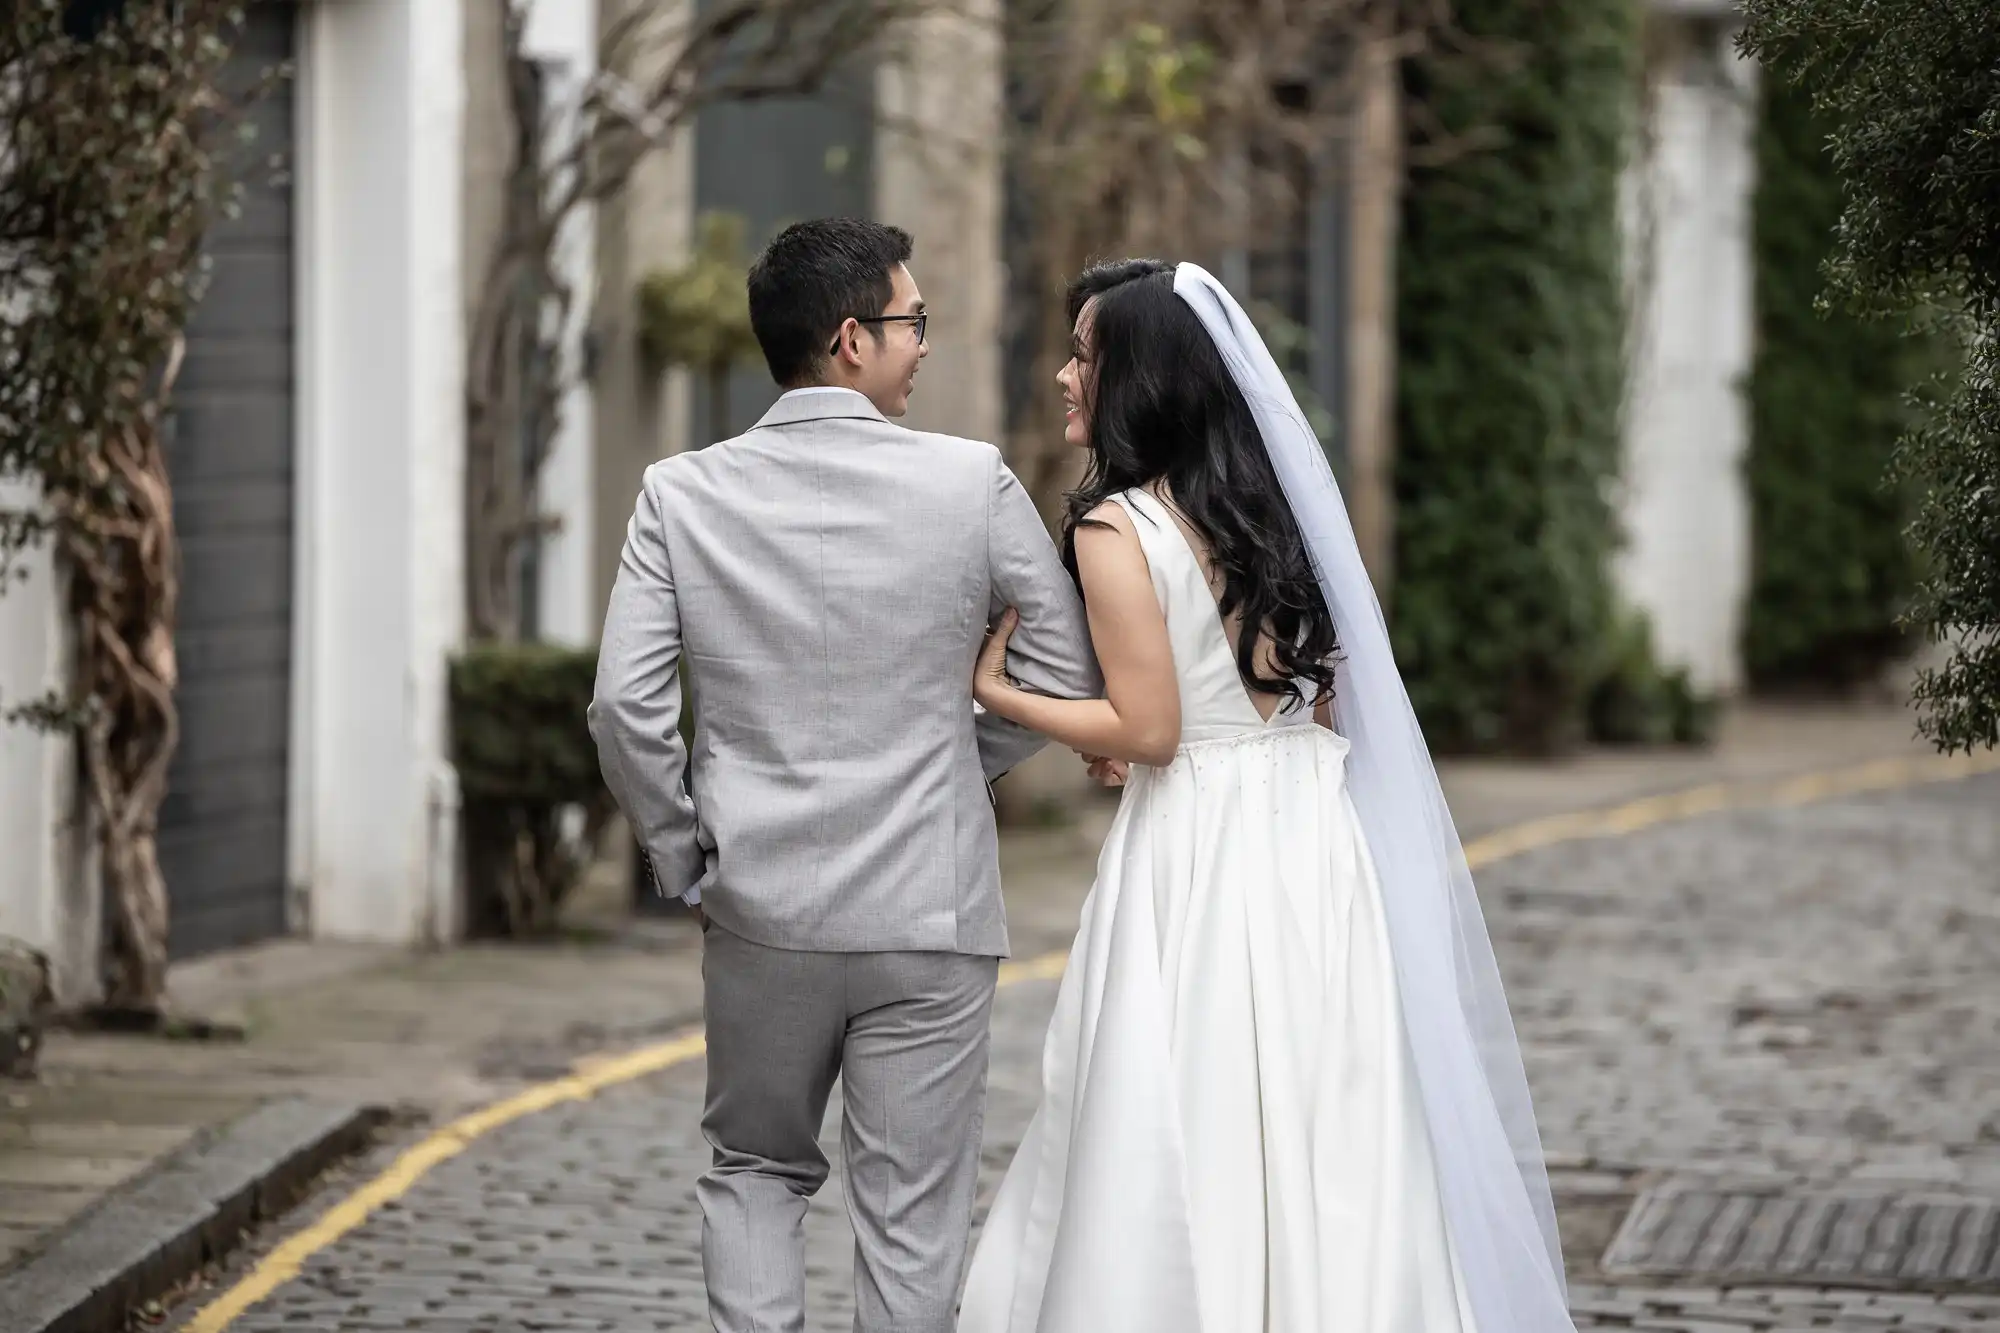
(1106, 539)
(1109, 514)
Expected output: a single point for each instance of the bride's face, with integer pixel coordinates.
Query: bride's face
(1077, 379)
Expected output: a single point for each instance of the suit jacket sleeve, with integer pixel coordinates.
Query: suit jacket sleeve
(1050, 653)
(635, 712)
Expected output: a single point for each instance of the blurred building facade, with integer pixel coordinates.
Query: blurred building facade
(319, 445)
(317, 452)
(913, 141)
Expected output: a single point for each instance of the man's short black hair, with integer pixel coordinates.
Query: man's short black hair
(813, 277)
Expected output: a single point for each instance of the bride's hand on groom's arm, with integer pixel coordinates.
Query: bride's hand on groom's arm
(1106, 772)
(990, 681)
(991, 684)
(1139, 719)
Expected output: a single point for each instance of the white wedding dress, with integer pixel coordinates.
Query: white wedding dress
(1230, 1139)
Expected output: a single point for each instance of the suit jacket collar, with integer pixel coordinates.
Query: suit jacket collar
(838, 405)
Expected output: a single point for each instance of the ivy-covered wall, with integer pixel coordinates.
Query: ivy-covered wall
(1831, 569)
(1511, 350)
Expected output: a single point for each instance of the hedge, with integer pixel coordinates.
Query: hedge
(1511, 354)
(1910, 90)
(521, 743)
(1830, 567)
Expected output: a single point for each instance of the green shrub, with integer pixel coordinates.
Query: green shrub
(1511, 372)
(1955, 458)
(1911, 92)
(1637, 702)
(1831, 569)
(697, 316)
(533, 801)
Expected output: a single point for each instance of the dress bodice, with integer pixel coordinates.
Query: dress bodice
(1215, 704)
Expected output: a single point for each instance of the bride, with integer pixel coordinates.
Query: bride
(1281, 1090)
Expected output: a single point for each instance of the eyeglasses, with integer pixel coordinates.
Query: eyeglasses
(919, 320)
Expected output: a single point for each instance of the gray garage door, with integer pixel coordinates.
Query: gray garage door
(222, 827)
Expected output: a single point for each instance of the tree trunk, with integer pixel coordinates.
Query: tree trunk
(1375, 193)
(123, 555)
(135, 978)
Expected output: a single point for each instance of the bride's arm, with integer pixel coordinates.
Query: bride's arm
(1139, 719)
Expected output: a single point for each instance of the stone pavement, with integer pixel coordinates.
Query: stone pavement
(425, 1033)
(437, 1033)
(1788, 1000)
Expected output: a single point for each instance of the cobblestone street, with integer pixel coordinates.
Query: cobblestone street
(1780, 1002)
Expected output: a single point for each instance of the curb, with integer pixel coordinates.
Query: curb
(184, 1211)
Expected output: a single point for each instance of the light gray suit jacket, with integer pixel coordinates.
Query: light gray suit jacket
(828, 578)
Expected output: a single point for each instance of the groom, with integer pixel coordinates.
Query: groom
(827, 578)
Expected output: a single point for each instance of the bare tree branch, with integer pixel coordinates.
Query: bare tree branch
(659, 65)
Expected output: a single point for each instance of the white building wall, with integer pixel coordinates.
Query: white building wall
(28, 628)
(381, 558)
(37, 781)
(379, 562)
(562, 34)
(1683, 503)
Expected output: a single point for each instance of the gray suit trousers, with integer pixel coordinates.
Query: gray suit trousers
(907, 1034)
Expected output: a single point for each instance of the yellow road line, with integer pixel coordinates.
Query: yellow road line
(1878, 775)
(595, 1074)
(282, 1264)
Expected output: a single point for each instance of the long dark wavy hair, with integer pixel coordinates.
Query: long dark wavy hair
(1163, 409)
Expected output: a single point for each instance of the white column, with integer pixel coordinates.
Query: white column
(937, 175)
(1684, 505)
(382, 464)
(563, 35)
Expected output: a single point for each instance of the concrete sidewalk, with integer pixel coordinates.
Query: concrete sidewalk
(432, 1034)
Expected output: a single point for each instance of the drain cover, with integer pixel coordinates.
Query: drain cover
(1822, 1239)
